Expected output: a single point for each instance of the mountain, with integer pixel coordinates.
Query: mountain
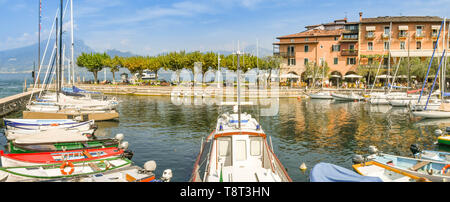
(21, 60)
(251, 49)
(114, 52)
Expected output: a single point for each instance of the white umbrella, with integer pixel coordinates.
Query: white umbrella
(351, 76)
(383, 76)
(289, 76)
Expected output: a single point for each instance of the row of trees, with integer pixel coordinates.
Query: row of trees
(175, 61)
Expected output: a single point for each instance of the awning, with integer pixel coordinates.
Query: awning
(383, 77)
(289, 76)
(403, 27)
(435, 27)
(370, 28)
(352, 76)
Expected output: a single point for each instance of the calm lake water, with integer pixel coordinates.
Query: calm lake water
(309, 131)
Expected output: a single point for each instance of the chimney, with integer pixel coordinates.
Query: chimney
(360, 16)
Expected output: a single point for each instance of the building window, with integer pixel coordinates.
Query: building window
(306, 48)
(336, 61)
(336, 38)
(291, 50)
(386, 45)
(419, 30)
(370, 46)
(387, 30)
(292, 40)
(350, 36)
(418, 45)
(402, 45)
(306, 39)
(291, 62)
(336, 48)
(370, 34)
(434, 33)
(351, 61)
(352, 47)
(306, 61)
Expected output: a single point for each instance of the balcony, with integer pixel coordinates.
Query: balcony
(370, 36)
(284, 54)
(385, 36)
(434, 35)
(420, 36)
(402, 35)
(349, 52)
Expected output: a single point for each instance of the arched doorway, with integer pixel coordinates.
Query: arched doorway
(335, 78)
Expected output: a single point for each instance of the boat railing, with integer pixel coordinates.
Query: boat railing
(276, 165)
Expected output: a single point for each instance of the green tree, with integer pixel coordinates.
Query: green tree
(93, 62)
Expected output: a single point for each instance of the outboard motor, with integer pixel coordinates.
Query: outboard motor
(358, 159)
(447, 130)
(128, 154)
(438, 132)
(415, 149)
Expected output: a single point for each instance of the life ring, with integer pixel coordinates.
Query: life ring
(445, 168)
(64, 164)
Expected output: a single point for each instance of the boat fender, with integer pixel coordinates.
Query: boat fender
(415, 149)
(64, 165)
(438, 132)
(167, 175)
(444, 169)
(128, 154)
(119, 137)
(124, 145)
(150, 166)
(357, 159)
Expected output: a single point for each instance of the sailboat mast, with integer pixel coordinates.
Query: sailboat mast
(239, 90)
(39, 40)
(72, 63)
(60, 46)
(57, 58)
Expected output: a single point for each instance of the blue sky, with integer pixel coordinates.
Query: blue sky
(149, 27)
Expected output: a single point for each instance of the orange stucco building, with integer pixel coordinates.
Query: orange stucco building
(346, 45)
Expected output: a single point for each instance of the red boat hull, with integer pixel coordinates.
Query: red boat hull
(26, 159)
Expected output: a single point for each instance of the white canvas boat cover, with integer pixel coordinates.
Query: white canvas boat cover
(445, 107)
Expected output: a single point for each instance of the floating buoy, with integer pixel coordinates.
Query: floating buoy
(299, 98)
(303, 167)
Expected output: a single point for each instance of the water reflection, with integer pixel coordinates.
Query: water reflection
(309, 131)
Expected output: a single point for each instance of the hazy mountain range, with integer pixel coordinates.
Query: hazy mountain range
(21, 60)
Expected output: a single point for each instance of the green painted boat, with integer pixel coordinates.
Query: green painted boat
(16, 148)
(59, 171)
(445, 139)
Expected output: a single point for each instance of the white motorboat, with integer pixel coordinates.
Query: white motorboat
(231, 154)
(321, 95)
(347, 97)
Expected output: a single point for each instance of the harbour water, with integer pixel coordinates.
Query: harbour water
(309, 131)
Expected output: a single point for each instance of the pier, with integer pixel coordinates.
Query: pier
(15, 103)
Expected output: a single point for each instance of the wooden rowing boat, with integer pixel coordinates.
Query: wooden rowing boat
(42, 158)
(385, 173)
(56, 171)
(14, 147)
(429, 169)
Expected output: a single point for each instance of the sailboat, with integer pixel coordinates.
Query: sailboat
(67, 107)
(237, 151)
(321, 94)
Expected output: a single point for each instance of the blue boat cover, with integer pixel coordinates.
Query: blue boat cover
(74, 89)
(325, 172)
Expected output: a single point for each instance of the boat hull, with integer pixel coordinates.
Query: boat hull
(34, 159)
(82, 116)
(52, 171)
(432, 114)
